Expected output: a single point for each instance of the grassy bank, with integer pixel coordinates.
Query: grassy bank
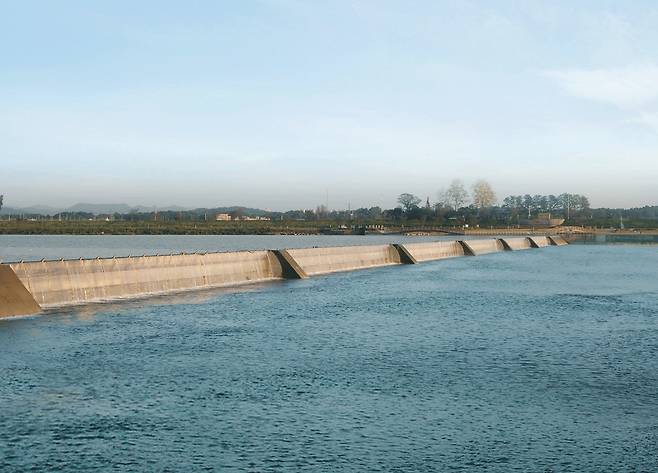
(45, 227)
(125, 227)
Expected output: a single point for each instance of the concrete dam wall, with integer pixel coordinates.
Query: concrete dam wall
(557, 240)
(15, 299)
(57, 283)
(482, 247)
(517, 243)
(314, 261)
(28, 287)
(434, 250)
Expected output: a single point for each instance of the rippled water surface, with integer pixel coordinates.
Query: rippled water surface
(535, 361)
(37, 247)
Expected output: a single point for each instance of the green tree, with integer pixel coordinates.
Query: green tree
(408, 202)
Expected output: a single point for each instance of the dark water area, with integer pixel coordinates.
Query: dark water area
(615, 239)
(534, 361)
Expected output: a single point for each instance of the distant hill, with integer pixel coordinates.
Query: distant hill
(98, 209)
(32, 210)
(251, 212)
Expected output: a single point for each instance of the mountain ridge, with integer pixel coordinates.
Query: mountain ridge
(103, 209)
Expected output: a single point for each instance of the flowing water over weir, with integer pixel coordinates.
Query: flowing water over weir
(28, 287)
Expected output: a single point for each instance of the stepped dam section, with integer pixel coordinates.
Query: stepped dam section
(540, 242)
(314, 261)
(432, 251)
(557, 240)
(482, 247)
(28, 287)
(15, 299)
(59, 283)
(515, 244)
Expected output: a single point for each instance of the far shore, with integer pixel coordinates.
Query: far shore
(120, 227)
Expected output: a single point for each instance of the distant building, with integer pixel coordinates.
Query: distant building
(543, 220)
(252, 219)
(223, 217)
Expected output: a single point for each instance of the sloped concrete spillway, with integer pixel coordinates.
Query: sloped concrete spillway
(28, 287)
(347, 258)
(57, 283)
(14, 297)
(515, 244)
(482, 247)
(434, 250)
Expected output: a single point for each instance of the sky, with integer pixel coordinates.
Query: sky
(278, 103)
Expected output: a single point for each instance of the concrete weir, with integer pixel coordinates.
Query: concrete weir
(557, 240)
(540, 242)
(482, 247)
(28, 287)
(15, 299)
(434, 250)
(515, 244)
(66, 282)
(314, 261)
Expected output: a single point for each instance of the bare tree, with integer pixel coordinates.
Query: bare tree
(456, 195)
(321, 211)
(483, 195)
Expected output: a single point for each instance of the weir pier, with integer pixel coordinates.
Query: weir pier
(29, 287)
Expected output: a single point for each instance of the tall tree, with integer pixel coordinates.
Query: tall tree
(553, 203)
(1, 198)
(483, 195)
(456, 195)
(567, 203)
(527, 203)
(408, 202)
(539, 203)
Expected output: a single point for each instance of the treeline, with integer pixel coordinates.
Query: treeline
(458, 206)
(454, 206)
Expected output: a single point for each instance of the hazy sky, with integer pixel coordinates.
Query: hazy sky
(271, 103)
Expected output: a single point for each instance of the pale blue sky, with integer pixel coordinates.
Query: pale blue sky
(270, 103)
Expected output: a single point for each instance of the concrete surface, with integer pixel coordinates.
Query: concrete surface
(557, 240)
(291, 269)
(482, 247)
(515, 244)
(345, 258)
(55, 283)
(15, 299)
(540, 241)
(434, 250)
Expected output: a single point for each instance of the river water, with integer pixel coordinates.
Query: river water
(36, 247)
(535, 361)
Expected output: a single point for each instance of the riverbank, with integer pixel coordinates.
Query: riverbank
(123, 227)
(101, 227)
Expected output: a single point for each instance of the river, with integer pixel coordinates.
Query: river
(538, 360)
